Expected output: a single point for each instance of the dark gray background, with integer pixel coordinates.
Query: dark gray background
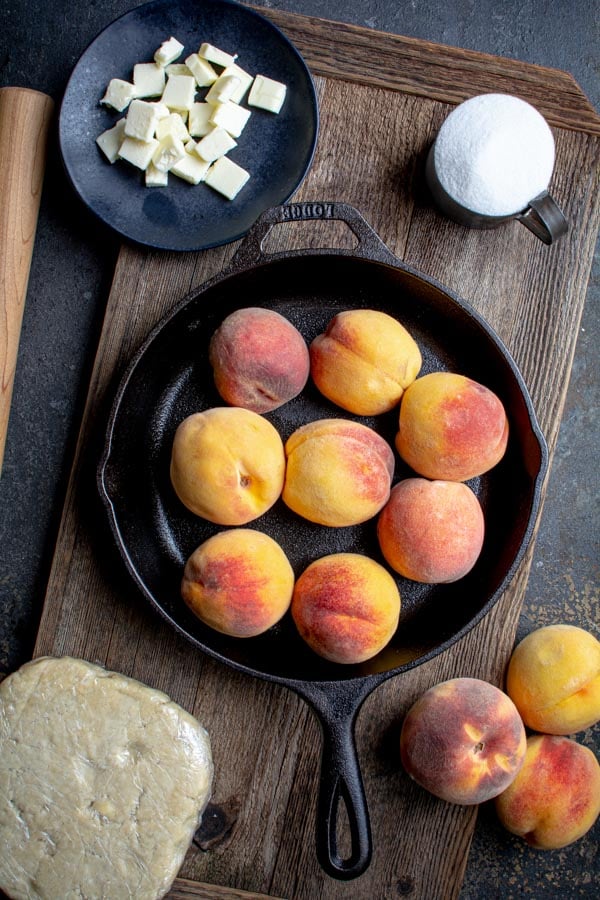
(70, 279)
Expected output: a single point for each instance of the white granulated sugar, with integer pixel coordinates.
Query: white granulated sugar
(494, 153)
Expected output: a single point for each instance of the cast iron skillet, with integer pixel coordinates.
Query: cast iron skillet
(170, 377)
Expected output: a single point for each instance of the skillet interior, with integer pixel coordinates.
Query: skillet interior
(171, 378)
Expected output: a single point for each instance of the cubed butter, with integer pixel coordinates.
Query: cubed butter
(138, 153)
(231, 117)
(155, 178)
(177, 69)
(267, 94)
(168, 52)
(216, 56)
(110, 140)
(172, 124)
(217, 143)
(198, 121)
(148, 80)
(223, 89)
(169, 151)
(201, 69)
(141, 120)
(243, 77)
(226, 177)
(191, 168)
(162, 111)
(119, 94)
(179, 92)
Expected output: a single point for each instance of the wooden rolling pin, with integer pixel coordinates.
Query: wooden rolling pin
(24, 124)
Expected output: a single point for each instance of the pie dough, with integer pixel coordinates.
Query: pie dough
(103, 781)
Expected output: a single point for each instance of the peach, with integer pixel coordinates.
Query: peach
(238, 582)
(227, 465)
(259, 359)
(431, 531)
(463, 740)
(451, 427)
(553, 677)
(555, 798)
(364, 361)
(338, 472)
(346, 607)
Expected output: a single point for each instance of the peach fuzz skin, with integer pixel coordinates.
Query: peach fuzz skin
(346, 607)
(431, 531)
(260, 360)
(227, 465)
(238, 582)
(463, 741)
(338, 472)
(364, 361)
(555, 798)
(553, 677)
(451, 427)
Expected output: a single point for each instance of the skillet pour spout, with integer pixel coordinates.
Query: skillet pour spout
(170, 378)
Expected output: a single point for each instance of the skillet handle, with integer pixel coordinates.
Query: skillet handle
(341, 781)
(370, 246)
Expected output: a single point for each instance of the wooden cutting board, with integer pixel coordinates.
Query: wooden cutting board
(382, 98)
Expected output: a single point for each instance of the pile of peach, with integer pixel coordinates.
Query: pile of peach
(464, 740)
(229, 465)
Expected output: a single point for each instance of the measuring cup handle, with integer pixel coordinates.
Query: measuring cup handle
(250, 252)
(544, 218)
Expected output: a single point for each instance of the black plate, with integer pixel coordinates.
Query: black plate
(276, 149)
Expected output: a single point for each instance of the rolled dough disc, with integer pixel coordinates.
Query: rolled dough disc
(103, 781)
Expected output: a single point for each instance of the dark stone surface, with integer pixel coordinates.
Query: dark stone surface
(70, 279)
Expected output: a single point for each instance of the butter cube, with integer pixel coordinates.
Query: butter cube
(148, 79)
(202, 70)
(168, 52)
(162, 111)
(154, 178)
(231, 117)
(119, 94)
(169, 151)
(223, 89)
(179, 92)
(138, 153)
(177, 69)
(198, 122)
(216, 56)
(244, 78)
(226, 177)
(141, 120)
(191, 168)
(267, 94)
(172, 124)
(217, 143)
(110, 141)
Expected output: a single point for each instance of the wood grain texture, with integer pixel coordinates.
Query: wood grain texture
(266, 740)
(24, 124)
(449, 74)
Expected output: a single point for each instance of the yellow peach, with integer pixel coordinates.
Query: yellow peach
(553, 677)
(346, 607)
(338, 472)
(463, 740)
(451, 427)
(431, 531)
(227, 465)
(555, 798)
(364, 361)
(260, 360)
(238, 582)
